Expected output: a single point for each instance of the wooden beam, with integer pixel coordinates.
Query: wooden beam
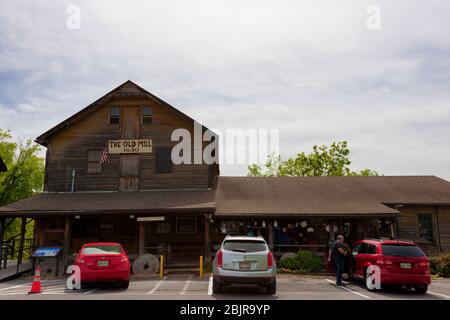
(332, 233)
(270, 231)
(22, 239)
(207, 239)
(392, 226)
(141, 238)
(67, 238)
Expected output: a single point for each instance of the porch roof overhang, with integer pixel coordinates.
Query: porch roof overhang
(93, 203)
(347, 196)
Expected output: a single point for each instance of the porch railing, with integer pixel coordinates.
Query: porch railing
(11, 251)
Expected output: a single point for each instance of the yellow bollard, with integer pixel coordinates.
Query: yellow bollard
(201, 266)
(161, 266)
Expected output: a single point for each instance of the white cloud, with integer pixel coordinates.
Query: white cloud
(313, 70)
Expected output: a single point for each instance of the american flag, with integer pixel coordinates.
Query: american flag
(104, 156)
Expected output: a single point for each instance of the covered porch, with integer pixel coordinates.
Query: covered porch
(157, 222)
(303, 232)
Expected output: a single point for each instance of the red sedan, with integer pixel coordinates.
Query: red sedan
(103, 261)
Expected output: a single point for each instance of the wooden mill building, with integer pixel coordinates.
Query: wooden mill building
(139, 198)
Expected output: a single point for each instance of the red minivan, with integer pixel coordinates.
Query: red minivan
(103, 262)
(401, 263)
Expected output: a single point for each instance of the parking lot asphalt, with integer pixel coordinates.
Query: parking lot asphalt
(191, 287)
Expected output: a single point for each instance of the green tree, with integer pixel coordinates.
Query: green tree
(25, 176)
(324, 160)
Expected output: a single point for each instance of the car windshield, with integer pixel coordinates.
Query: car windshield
(113, 249)
(245, 245)
(401, 250)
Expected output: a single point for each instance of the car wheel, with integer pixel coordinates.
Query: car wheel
(124, 284)
(421, 289)
(272, 287)
(217, 286)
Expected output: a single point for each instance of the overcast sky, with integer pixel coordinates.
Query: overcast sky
(309, 68)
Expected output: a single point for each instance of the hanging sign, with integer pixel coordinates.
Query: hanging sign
(143, 219)
(130, 146)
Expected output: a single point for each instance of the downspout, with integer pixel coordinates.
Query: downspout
(436, 225)
(73, 181)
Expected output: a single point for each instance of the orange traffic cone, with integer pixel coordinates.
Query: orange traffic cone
(36, 286)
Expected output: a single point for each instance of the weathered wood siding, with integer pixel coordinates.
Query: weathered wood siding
(67, 151)
(408, 227)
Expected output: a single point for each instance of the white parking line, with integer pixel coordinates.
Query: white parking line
(350, 290)
(13, 293)
(53, 292)
(54, 289)
(90, 291)
(186, 286)
(157, 286)
(17, 286)
(439, 295)
(210, 286)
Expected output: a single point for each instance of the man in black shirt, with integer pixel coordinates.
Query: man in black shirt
(338, 253)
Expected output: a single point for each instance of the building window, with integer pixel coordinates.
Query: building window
(147, 114)
(426, 227)
(114, 115)
(163, 160)
(186, 224)
(93, 161)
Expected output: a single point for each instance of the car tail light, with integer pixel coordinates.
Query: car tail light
(81, 261)
(219, 259)
(425, 263)
(269, 260)
(123, 259)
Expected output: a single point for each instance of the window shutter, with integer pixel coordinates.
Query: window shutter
(163, 160)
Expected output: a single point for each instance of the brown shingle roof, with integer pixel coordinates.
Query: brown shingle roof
(241, 196)
(196, 201)
(326, 195)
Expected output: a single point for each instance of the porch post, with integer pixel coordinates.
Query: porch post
(67, 238)
(141, 238)
(391, 225)
(22, 239)
(207, 250)
(332, 234)
(2, 233)
(270, 231)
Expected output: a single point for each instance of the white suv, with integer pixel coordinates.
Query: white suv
(243, 259)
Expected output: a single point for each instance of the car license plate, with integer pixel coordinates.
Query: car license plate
(405, 265)
(244, 265)
(104, 263)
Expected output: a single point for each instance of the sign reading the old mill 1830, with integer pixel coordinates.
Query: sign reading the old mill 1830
(130, 146)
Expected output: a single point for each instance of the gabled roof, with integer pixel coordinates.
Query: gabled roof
(128, 89)
(332, 196)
